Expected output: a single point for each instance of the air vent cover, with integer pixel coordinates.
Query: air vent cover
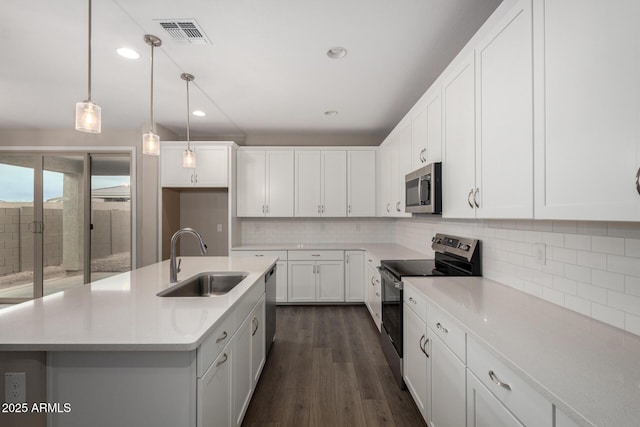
(184, 30)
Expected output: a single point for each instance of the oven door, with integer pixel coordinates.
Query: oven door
(392, 308)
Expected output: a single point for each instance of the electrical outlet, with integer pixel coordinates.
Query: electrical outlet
(15, 387)
(541, 253)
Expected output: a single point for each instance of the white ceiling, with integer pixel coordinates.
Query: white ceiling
(266, 70)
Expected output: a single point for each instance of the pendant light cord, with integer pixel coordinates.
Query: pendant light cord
(153, 125)
(89, 72)
(188, 122)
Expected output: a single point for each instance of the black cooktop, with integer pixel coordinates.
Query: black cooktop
(410, 267)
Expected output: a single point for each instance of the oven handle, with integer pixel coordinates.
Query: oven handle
(388, 276)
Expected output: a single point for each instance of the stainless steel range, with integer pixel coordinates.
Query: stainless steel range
(454, 256)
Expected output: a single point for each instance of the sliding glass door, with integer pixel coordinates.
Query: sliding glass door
(65, 220)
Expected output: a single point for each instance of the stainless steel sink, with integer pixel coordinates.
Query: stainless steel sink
(207, 284)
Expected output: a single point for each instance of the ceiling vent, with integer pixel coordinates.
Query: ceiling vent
(184, 30)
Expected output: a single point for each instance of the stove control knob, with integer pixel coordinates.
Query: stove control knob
(463, 247)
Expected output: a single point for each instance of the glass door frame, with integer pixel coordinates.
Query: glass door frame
(38, 205)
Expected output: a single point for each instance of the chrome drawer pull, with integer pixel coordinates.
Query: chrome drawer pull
(255, 324)
(223, 361)
(475, 197)
(638, 181)
(442, 328)
(495, 379)
(412, 300)
(469, 198)
(377, 294)
(223, 337)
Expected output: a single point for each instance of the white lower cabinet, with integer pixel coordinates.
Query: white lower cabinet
(373, 295)
(416, 360)
(282, 280)
(214, 391)
(484, 409)
(258, 344)
(316, 276)
(354, 276)
(448, 385)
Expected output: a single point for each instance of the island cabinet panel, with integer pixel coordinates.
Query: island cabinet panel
(214, 391)
(107, 389)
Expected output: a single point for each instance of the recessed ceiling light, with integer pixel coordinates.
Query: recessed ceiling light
(331, 113)
(337, 52)
(199, 113)
(128, 53)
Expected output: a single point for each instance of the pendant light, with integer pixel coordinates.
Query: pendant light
(188, 156)
(151, 140)
(88, 114)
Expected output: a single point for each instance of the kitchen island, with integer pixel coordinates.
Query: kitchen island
(120, 355)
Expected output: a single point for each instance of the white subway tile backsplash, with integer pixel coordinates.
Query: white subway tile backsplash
(625, 302)
(577, 304)
(623, 229)
(592, 260)
(575, 272)
(563, 285)
(608, 245)
(608, 315)
(592, 293)
(553, 296)
(632, 285)
(553, 239)
(565, 227)
(533, 289)
(577, 241)
(624, 265)
(564, 255)
(632, 323)
(632, 247)
(608, 280)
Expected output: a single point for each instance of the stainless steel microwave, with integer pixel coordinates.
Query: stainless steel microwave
(423, 190)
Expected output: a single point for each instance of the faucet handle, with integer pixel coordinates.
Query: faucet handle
(178, 267)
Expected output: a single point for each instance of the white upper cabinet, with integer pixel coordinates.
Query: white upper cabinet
(265, 183)
(395, 163)
(458, 168)
(361, 183)
(426, 119)
(587, 88)
(320, 183)
(504, 144)
(212, 165)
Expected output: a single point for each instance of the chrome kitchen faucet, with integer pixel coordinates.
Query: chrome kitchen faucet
(173, 269)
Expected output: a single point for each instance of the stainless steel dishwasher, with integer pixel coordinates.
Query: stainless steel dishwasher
(270, 309)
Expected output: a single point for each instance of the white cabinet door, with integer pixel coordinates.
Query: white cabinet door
(587, 146)
(434, 125)
(419, 133)
(302, 281)
(334, 183)
(282, 282)
(504, 148)
(361, 183)
(484, 409)
(384, 173)
(415, 359)
(280, 187)
(458, 168)
(241, 363)
(214, 393)
(251, 176)
(257, 341)
(211, 166)
(354, 285)
(448, 407)
(330, 281)
(307, 183)
(171, 171)
(402, 165)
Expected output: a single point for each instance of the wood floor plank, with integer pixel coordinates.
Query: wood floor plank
(326, 368)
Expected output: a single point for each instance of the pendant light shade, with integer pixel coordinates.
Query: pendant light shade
(188, 156)
(88, 114)
(150, 140)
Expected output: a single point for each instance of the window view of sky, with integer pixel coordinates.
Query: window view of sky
(16, 183)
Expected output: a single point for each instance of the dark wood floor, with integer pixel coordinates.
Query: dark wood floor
(326, 368)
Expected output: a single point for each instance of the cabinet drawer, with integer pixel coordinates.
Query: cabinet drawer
(249, 300)
(372, 261)
(449, 331)
(415, 301)
(316, 255)
(282, 255)
(521, 399)
(214, 343)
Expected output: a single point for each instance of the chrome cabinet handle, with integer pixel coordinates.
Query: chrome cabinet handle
(420, 344)
(263, 209)
(412, 300)
(349, 208)
(315, 254)
(259, 255)
(442, 328)
(398, 206)
(469, 198)
(372, 284)
(192, 178)
(495, 379)
(475, 197)
(347, 260)
(223, 361)
(223, 337)
(423, 347)
(322, 208)
(638, 181)
(388, 207)
(377, 294)
(318, 208)
(267, 206)
(196, 178)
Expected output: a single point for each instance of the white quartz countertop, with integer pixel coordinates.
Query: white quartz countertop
(581, 365)
(379, 250)
(123, 312)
